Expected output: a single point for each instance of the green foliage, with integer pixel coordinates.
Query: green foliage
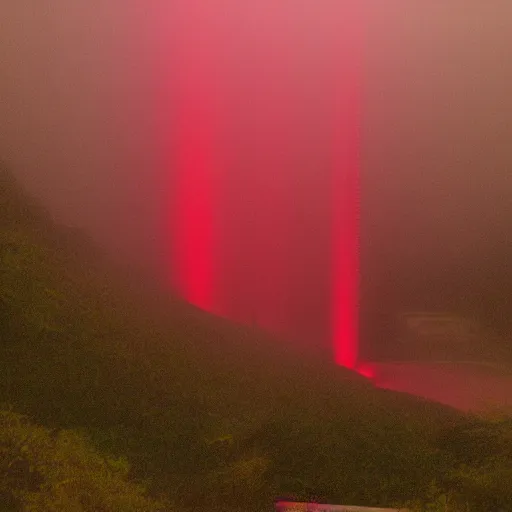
(239, 485)
(45, 470)
(30, 304)
(482, 447)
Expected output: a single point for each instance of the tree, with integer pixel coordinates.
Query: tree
(53, 471)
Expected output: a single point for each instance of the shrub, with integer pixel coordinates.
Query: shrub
(44, 470)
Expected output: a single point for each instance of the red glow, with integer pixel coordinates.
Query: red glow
(194, 237)
(367, 370)
(345, 299)
(258, 238)
(195, 163)
(346, 268)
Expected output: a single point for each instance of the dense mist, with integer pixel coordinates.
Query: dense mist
(88, 103)
(436, 173)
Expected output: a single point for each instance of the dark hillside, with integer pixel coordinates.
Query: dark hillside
(215, 415)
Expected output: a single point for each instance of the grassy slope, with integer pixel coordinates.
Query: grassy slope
(212, 411)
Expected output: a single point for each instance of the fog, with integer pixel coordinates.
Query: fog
(77, 113)
(82, 88)
(436, 209)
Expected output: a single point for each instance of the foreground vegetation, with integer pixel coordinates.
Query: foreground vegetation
(208, 415)
(42, 469)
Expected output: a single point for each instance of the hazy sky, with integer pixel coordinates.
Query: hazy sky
(439, 117)
(437, 158)
(75, 127)
(78, 103)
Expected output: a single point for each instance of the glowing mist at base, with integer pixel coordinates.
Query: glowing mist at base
(265, 165)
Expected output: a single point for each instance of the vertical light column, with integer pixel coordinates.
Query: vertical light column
(195, 157)
(346, 197)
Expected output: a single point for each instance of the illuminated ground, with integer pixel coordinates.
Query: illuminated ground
(467, 386)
